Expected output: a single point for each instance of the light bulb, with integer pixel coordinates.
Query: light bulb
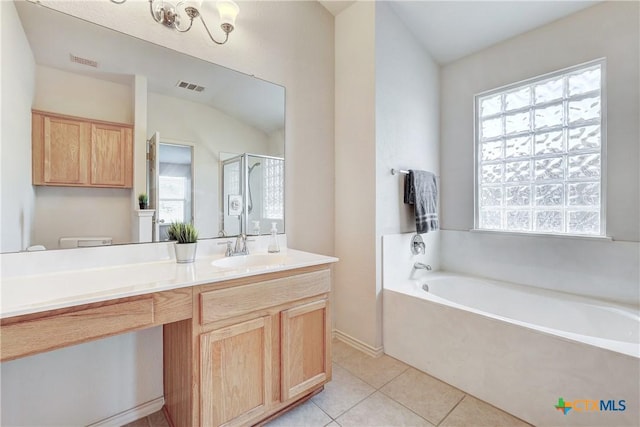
(228, 11)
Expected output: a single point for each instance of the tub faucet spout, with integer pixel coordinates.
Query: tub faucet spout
(421, 266)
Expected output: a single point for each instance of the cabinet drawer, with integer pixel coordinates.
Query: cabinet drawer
(231, 302)
(48, 333)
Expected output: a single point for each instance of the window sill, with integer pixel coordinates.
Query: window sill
(558, 236)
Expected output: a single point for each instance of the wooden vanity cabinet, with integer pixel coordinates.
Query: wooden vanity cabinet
(77, 152)
(258, 346)
(235, 373)
(304, 343)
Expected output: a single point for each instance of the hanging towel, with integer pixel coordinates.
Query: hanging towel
(421, 190)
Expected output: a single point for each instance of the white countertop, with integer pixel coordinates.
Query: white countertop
(37, 293)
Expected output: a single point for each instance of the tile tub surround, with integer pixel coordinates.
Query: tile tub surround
(369, 396)
(597, 268)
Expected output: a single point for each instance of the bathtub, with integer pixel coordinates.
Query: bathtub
(519, 348)
(606, 325)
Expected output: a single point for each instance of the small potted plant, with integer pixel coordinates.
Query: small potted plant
(186, 238)
(143, 200)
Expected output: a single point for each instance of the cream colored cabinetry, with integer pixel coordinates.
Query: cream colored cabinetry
(304, 348)
(72, 151)
(235, 373)
(258, 346)
(39, 332)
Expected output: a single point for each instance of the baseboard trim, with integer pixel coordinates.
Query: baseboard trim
(357, 344)
(132, 414)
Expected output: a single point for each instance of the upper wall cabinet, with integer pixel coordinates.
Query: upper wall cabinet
(72, 151)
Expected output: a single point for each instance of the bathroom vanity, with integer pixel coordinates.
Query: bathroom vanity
(242, 343)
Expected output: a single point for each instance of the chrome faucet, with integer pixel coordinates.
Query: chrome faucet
(228, 251)
(240, 247)
(421, 266)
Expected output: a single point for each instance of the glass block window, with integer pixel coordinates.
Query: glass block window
(539, 154)
(273, 195)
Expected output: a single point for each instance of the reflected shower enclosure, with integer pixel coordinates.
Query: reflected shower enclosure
(253, 193)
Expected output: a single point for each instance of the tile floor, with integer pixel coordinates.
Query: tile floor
(382, 391)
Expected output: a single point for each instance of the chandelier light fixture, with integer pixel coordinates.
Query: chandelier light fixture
(174, 16)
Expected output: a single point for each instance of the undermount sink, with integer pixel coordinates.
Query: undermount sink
(251, 261)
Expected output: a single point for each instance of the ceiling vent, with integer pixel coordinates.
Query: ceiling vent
(190, 86)
(83, 61)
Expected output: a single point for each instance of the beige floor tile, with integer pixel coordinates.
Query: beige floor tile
(333, 424)
(474, 412)
(341, 351)
(376, 371)
(379, 410)
(142, 422)
(305, 415)
(157, 419)
(428, 397)
(343, 392)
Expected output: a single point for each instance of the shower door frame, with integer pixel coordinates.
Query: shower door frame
(244, 184)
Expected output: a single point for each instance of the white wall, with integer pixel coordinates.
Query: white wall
(277, 143)
(386, 117)
(407, 118)
(140, 104)
(81, 212)
(355, 298)
(67, 211)
(211, 131)
(18, 69)
(297, 53)
(63, 92)
(83, 384)
(407, 131)
(610, 30)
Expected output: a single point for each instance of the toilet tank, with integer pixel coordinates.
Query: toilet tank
(83, 242)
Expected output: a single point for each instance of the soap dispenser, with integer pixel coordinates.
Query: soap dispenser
(273, 240)
(256, 228)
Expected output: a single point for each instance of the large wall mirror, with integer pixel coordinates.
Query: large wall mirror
(215, 135)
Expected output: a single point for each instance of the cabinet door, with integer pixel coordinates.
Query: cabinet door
(235, 373)
(65, 151)
(111, 156)
(306, 353)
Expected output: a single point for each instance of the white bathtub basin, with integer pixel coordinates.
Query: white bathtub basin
(252, 261)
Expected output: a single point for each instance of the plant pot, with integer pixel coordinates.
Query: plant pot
(185, 252)
(143, 205)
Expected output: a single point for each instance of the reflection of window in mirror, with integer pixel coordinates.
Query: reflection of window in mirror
(273, 195)
(175, 185)
(172, 203)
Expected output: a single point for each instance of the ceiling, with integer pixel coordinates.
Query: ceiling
(452, 29)
(336, 6)
(54, 36)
